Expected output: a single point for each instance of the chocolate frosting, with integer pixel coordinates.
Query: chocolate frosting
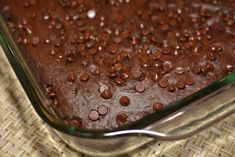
(106, 63)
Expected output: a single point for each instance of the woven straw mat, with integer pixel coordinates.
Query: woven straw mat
(22, 133)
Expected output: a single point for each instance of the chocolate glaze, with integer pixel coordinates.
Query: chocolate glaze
(106, 63)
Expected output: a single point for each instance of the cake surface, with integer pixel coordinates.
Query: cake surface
(106, 63)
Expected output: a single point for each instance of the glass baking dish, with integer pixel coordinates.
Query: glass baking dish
(180, 120)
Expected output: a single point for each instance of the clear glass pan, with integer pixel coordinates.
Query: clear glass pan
(182, 119)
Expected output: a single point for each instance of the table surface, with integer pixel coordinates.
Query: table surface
(22, 133)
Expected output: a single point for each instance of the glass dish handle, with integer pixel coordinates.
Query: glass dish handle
(185, 123)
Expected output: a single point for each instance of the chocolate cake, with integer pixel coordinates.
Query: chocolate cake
(106, 63)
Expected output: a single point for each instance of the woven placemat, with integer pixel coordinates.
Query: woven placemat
(22, 133)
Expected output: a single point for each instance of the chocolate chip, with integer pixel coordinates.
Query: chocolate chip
(158, 106)
(167, 66)
(124, 76)
(35, 41)
(180, 84)
(229, 68)
(69, 59)
(113, 75)
(117, 40)
(103, 110)
(145, 15)
(179, 70)
(157, 55)
(211, 56)
(140, 87)
(121, 118)
(106, 94)
(89, 44)
(61, 56)
(125, 33)
(145, 58)
(96, 72)
(81, 47)
(155, 77)
(51, 95)
(164, 58)
(197, 49)
(145, 32)
(195, 69)
(164, 27)
(118, 18)
(118, 66)
(71, 77)
(219, 49)
(124, 55)
(103, 87)
(189, 80)
(124, 101)
(171, 88)
(112, 62)
(204, 70)
(163, 83)
(209, 66)
(157, 65)
(93, 115)
(6, 8)
(113, 48)
(136, 74)
(145, 65)
(119, 81)
(84, 77)
(172, 22)
(92, 51)
(105, 37)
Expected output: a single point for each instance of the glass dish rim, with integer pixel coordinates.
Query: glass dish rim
(10, 50)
